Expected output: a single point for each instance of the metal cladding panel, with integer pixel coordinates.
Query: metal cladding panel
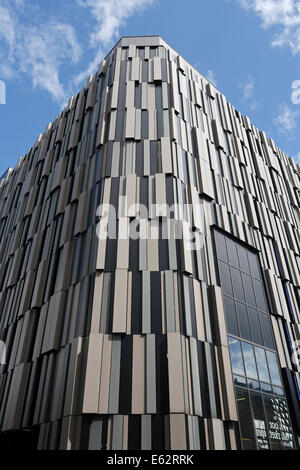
(121, 341)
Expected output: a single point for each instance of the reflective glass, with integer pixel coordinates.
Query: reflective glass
(243, 320)
(232, 253)
(249, 360)
(253, 385)
(273, 368)
(230, 314)
(239, 381)
(243, 258)
(245, 419)
(225, 279)
(221, 246)
(278, 391)
(255, 326)
(262, 366)
(237, 284)
(279, 427)
(266, 327)
(236, 356)
(259, 295)
(266, 388)
(259, 419)
(253, 265)
(249, 292)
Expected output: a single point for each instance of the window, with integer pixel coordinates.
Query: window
(250, 364)
(244, 297)
(263, 414)
(245, 417)
(262, 408)
(236, 357)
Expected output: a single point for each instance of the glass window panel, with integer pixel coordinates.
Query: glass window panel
(280, 431)
(232, 253)
(221, 246)
(225, 278)
(259, 419)
(236, 356)
(267, 330)
(243, 320)
(230, 314)
(255, 326)
(266, 387)
(278, 391)
(259, 295)
(249, 291)
(239, 381)
(237, 284)
(249, 361)
(262, 366)
(245, 419)
(254, 269)
(253, 385)
(273, 368)
(243, 258)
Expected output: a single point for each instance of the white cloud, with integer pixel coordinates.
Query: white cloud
(7, 37)
(255, 105)
(247, 88)
(36, 51)
(286, 120)
(284, 14)
(43, 50)
(211, 76)
(297, 158)
(109, 16)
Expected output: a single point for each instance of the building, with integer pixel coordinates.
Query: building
(133, 326)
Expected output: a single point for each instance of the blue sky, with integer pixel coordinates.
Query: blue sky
(250, 48)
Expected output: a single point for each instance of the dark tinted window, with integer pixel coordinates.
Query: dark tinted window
(245, 419)
(225, 279)
(237, 284)
(243, 321)
(232, 253)
(259, 295)
(230, 314)
(260, 424)
(266, 330)
(249, 291)
(255, 326)
(243, 258)
(253, 265)
(221, 246)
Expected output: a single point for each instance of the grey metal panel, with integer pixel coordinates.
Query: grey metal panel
(95, 435)
(114, 389)
(146, 303)
(170, 307)
(150, 374)
(146, 432)
(117, 432)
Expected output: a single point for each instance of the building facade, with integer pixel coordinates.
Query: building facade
(149, 270)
